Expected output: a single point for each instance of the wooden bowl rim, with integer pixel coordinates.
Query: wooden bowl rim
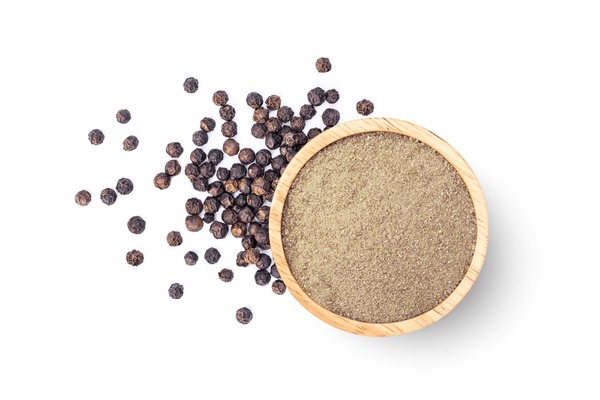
(390, 125)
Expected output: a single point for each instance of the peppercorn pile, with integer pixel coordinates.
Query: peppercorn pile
(233, 200)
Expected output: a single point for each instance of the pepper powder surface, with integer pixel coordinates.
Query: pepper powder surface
(378, 227)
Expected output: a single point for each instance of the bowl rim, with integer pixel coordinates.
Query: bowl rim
(388, 125)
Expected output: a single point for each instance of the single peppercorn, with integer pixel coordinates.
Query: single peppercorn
(237, 171)
(316, 96)
(96, 137)
(332, 96)
(83, 197)
(260, 115)
(208, 218)
(218, 229)
(136, 225)
(123, 116)
(259, 131)
(274, 182)
(232, 185)
(200, 138)
(215, 156)
(278, 162)
(307, 111)
(134, 258)
(297, 123)
(293, 139)
(278, 287)
(269, 195)
(262, 277)
(239, 260)
(130, 143)
(211, 205)
(190, 85)
(226, 275)
(273, 102)
(243, 315)
(255, 170)
(194, 223)
(227, 200)
(197, 156)
(108, 196)
(253, 201)
(229, 129)
(273, 124)
(162, 180)
(262, 215)
(222, 174)
(275, 272)
(193, 206)
(273, 140)
(190, 258)
(124, 186)
(176, 291)
(260, 186)
(365, 107)
(207, 124)
(238, 229)
(271, 175)
(254, 100)
(192, 171)
(285, 114)
(246, 214)
(174, 149)
(263, 157)
(231, 147)
(172, 168)
(253, 227)
(262, 236)
(240, 201)
(248, 241)
(229, 216)
(207, 169)
(246, 156)
(212, 255)
(220, 98)
(323, 64)
(330, 117)
(245, 185)
(264, 261)
(227, 112)
(313, 133)
(174, 238)
(200, 184)
(251, 256)
(290, 155)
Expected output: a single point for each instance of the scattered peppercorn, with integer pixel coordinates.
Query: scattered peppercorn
(194, 223)
(207, 124)
(243, 315)
(264, 261)
(238, 229)
(229, 129)
(218, 229)
(239, 259)
(212, 255)
(232, 185)
(263, 157)
(260, 186)
(275, 272)
(96, 136)
(262, 277)
(172, 168)
(251, 256)
(162, 180)
(332, 96)
(248, 242)
(124, 186)
(134, 258)
(220, 98)
(278, 162)
(273, 102)
(136, 225)
(297, 123)
(130, 143)
(83, 197)
(190, 85)
(316, 96)
(174, 238)
(254, 100)
(273, 124)
(323, 64)
(237, 171)
(259, 131)
(211, 205)
(108, 196)
(273, 140)
(365, 107)
(208, 218)
(307, 111)
(197, 156)
(192, 171)
(200, 138)
(313, 133)
(227, 200)
(285, 113)
(262, 236)
(231, 147)
(330, 117)
(193, 206)
(123, 116)
(215, 156)
(255, 170)
(190, 258)
(176, 291)
(262, 215)
(260, 115)
(240, 200)
(200, 184)
(207, 169)
(226, 275)
(246, 214)
(174, 149)
(227, 112)
(246, 156)
(278, 287)
(222, 174)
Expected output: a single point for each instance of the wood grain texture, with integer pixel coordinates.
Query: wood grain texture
(391, 126)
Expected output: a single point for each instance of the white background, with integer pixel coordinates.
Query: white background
(514, 87)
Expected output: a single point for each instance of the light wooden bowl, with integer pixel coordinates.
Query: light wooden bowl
(392, 126)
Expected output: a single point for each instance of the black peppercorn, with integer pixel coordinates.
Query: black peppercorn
(255, 170)
(294, 139)
(246, 214)
(200, 184)
(260, 186)
(216, 188)
(316, 96)
(237, 171)
(124, 186)
(246, 156)
(193, 206)
(248, 241)
(123, 116)
(285, 114)
(269, 195)
(218, 229)
(260, 115)
(232, 185)
(134, 258)
(222, 174)
(254, 100)
(229, 129)
(190, 258)
(297, 123)
(253, 201)
(130, 143)
(192, 171)
(227, 112)
(176, 291)
(262, 215)
(231, 147)
(207, 169)
(200, 138)
(197, 156)
(209, 218)
(284, 149)
(243, 315)
(238, 229)
(323, 64)
(273, 140)
(96, 136)
(330, 117)
(313, 133)
(307, 111)
(227, 200)
(332, 96)
(284, 129)
(212, 255)
(273, 124)
(174, 149)
(251, 256)
(215, 156)
(83, 197)
(162, 180)
(172, 168)
(271, 175)
(253, 227)
(259, 131)
(229, 216)
(190, 85)
(274, 183)
(278, 162)
(136, 225)
(174, 238)
(262, 236)
(194, 223)
(211, 205)
(262, 277)
(278, 287)
(263, 157)
(290, 155)
(239, 259)
(245, 185)
(365, 107)
(226, 275)
(108, 196)
(275, 272)
(264, 261)
(240, 200)
(207, 124)
(273, 102)
(220, 98)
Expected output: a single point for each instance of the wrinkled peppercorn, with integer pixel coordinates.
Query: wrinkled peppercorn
(285, 114)
(262, 236)
(246, 156)
(275, 182)
(208, 218)
(218, 229)
(239, 260)
(238, 229)
(174, 149)
(172, 168)
(271, 175)
(316, 96)
(207, 124)
(229, 129)
(216, 188)
(134, 257)
(222, 174)
(313, 133)
(176, 291)
(253, 227)
(190, 258)
(278, 287)
(124, 186)
(108, 196)
(231, 147)
(174, 238)
(197, 156)
(307, 111)
(246, 214)
(365, 107)
(260, 186)
(227, 200)
(269, 195)
(260, 115)
(259, 131)
(255, 170)
(263, 157)
(332, 96)
(212, 255)
(275, 272)
(240, 200)
(96, 137)
(264, 261)
(297, 123)
(262, 277)
(83, 197)
(215, 156)
(253, 201)
(273, 102)
(323, 64)
(248, 242)
(194, 223)
(330, 117)
(200, 184)
(243, 315)
(245, 185)
(232, 185)
(262, 215)
(251, 256)
(273, 124)
(136, 225)
(211, 205)
(200, 138)
(278, 162)
(193, 206)
(192, 171)
(207, 169)
(123, 116)
(226, 275)
(190, 85)
(290, 155)
(162, 180)
(229, 216)
(220, 98)
(237, 171)
(273, 140)
(254, 100)
(130, 143)
(227, 112)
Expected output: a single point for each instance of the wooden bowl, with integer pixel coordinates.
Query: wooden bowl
(391, 126)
